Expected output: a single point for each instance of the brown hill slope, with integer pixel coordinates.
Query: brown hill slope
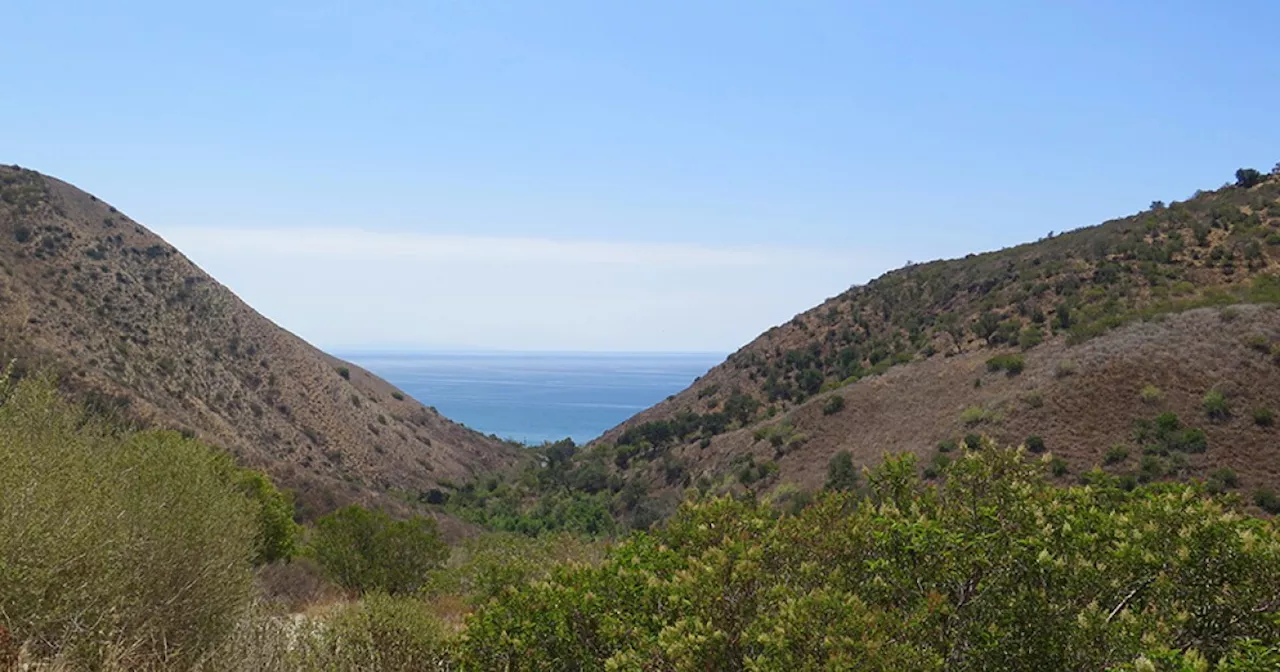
(139, 330)
(908, 354)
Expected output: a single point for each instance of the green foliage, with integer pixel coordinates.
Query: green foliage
(1065, 368)
(1058, 466)
(991, 568)
(1264, 417)
(1267, 500)
(1030, 337)
(487, 566)
(1116, 454)
(277, 533)
(1151, 394)
(1034, 444)
(841, 474)
(380, 632)
(1010, 364)
(833, 405)
(1166, 434)
(1247, 178)
(367, 550)
(134, 545)
(344, 372)
(1215, 405)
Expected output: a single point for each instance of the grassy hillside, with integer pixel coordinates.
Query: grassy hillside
(1078, 344)
(140, 332)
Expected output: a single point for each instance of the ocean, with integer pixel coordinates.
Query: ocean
(536, 397)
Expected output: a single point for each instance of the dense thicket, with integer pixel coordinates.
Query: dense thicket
(991, 569)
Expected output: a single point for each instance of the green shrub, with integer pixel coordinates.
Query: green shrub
(1264, 417)
(397, 396)
(1115, 454)
(1030, 337)
(1258, 342)
(1058, 466)
(833, 405)
(1222, 479)
(1065, 368)
(1267, 500)
(947, 446)
(276, 532)
(1151, 394)
(841, 474)
(366, 550)
(344, 372)
(1083, 578)
(972, 441)
(116, 543)
(1034, 444)
(380, 632)
(1215, 405)
(1011, 364)
(975, 415)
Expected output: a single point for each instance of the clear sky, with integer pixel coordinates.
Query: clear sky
(602, 175)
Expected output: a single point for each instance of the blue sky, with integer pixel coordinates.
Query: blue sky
(621, 175)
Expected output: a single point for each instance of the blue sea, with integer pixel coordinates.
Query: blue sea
(536, 397)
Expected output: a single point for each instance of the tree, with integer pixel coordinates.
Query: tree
(364, 550)
(1247, 178)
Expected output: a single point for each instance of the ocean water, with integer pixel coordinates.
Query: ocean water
(536, 397)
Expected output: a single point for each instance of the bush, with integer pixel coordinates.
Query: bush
(841, 474)
(1030, 337)
(729, 584)
(1058, 466)
(1115, 454)
(397, 396)
(1066, 368)
(1223, 479)
(365, 550)
(833, 405)
(276, 532)
(133, 544)
(1267, 500)
(344, 372)
(1151, 394)
(975, 415)
(1034, 444)
(1264, 417)
(380, 632)
(1215, 405)
(1011, 364)
(1247, 178)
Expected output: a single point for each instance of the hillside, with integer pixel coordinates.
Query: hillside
(138, 331)
(1078, 323)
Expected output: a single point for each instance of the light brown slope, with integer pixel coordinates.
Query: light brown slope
(140, 330)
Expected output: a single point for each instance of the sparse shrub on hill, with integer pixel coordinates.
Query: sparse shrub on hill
(1151, 394)
(1264, 417)
(1010, 364)
(841, 474)
(833, 405)
(1215, 405)
(1115, 454)
(1035, 444)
